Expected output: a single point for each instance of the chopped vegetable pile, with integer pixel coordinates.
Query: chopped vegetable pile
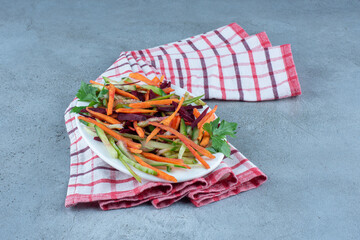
(144, 124)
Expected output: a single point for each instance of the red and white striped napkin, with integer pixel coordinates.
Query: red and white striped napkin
(225, 63)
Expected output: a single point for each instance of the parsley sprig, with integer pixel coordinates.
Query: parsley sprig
(218, 133)
(88, 93)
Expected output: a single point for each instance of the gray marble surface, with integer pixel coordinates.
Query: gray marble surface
(308, 146)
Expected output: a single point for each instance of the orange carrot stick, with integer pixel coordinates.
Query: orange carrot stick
(152, 134)
(205, 140)
(111, 132)
(198, 157)
(162, 78)
(160, 173)
(166, 136)
(210, 116)
(134, 150)
(96, 83)
(164, 159)
(125, 94)
(149, 104)
(103, 116)
(140, 77)
(184, 139)
(175, 123)
(168, 90)
(147, 95)
(110, 107)
(139, 130)
(207, 116)
(196, 112)
(139, 110)
(117, 91)
(156, 81)
(167, 120)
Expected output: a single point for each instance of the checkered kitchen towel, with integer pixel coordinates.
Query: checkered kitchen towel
(92, 180)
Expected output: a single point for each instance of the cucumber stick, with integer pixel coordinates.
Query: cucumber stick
(159, 164)
(181, 151)
(183, 131)
(122, 156)
(195, 133)
(113, 144)
(162, 98)
(154, 144)
(155, 89)
(106, 142)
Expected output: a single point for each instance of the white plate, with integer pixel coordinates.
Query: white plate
(180, 174)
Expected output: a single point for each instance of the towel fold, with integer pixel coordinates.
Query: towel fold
(225, 63)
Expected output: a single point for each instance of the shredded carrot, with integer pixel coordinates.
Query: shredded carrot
(110, 106)
(156, 80)
(171, 117)
(166, 136)
(197, 156)
(117, 91)
(139, 110)
(103, 117)
(207, 116)
(112, 133)
(152, 134)
(184, 139)
(196, 112)
(175, 123)
(134, 150)
(160, 173)
(201, 133)
(166, 122)
(164, 159)
(149, 104)
(162, 78)
(96, 83)
(142, 78)
(139, 130)
(168, 90)
(210, 116)
(147, 95)
(125, 94)
(205, 141)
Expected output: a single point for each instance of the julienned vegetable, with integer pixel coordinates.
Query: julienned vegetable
(145, 125)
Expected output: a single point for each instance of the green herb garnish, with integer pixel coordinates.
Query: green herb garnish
(218, 133)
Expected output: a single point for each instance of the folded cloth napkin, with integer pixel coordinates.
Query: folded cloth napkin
(255, 75)
(93, 180)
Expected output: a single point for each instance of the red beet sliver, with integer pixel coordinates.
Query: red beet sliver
(131, 117)
(126, 131)
(140, 96)
(152, 94)
(166, 109)
(165, 84)
(202, 115)
(97, 139)
(190, 107)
